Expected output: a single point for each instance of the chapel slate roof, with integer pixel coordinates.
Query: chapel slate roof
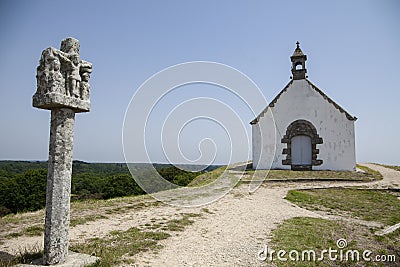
(272, 104)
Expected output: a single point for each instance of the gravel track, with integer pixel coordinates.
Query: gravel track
(229, 233)
(242, 224)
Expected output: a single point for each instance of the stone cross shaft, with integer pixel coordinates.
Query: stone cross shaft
(62, 87)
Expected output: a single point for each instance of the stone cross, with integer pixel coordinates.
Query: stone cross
(62, 87)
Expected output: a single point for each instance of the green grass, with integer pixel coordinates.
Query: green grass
(34, 230)
(180, 224)
(208, 177)
(90, 218)
(375, 175)
(120, 246)
(12, 225)
(206, 210)
(369, 175)
(370, 205)
(304, 233)
(113, 205)
(13, 235)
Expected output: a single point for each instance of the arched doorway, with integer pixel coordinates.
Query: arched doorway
(301, 152)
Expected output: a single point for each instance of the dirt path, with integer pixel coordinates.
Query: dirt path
(229, 233)
(241, 225)
(391, 178)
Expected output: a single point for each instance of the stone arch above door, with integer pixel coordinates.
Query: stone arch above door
(296, 128)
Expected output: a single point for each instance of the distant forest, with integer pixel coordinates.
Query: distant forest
(23, 183)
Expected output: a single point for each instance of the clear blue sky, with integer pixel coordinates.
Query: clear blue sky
(352, 48)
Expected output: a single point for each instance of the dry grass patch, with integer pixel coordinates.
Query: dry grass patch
(366, 176)
(31, 223)
(304, 233)
(180, 224)
(396, 168)
(208, 177)
(25, 256)
(119, 246)
(90, 218)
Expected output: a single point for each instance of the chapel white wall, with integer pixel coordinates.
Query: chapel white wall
(300, 101)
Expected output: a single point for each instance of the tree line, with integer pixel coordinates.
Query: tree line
(23, 184)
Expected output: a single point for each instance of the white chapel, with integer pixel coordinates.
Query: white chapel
(302, 128)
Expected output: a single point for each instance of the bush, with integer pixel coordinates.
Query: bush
(24, 192)
(87, 184)
(4, 211)
(178, 176)
(121, 185)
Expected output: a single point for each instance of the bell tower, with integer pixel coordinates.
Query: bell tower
(298, 63)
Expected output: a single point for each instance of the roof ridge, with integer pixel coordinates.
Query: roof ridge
(271, 104)
(337, 106)
(326, 97)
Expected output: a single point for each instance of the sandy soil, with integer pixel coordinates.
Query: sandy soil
(229, 233)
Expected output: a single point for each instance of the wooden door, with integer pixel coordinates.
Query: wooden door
(301, 150)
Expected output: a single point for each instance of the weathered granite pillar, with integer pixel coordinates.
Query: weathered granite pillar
(59, 185)
(62, 87)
